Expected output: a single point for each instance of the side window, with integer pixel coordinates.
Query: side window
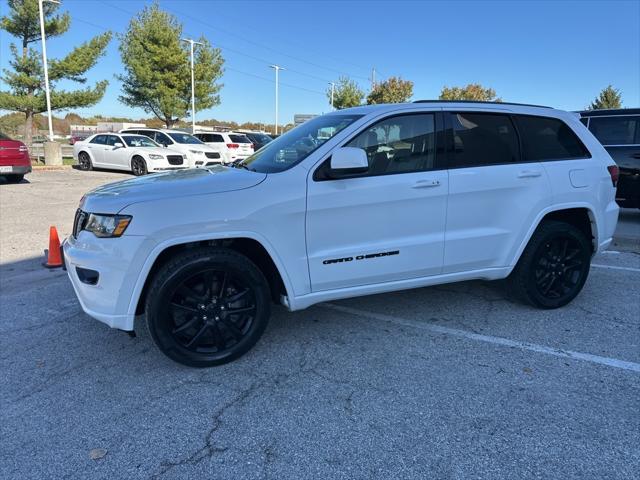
(161, 138)
(545, 138)
(112, 140)
(622, 130)
(400, 144)
(100, 140)
(214, 138)
(483, 139)
(584, 120)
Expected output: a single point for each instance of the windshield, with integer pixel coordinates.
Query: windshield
(139, 141)
(294, 146)
(262, 138)
(184, 138)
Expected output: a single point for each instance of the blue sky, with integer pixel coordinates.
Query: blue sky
(558, 53)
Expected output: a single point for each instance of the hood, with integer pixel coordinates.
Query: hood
(157, 150)
(113, 197)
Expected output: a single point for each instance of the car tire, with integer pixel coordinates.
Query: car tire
(84, 161)
(14, 178)
(207, 306)
(553, 267)
(138, 166)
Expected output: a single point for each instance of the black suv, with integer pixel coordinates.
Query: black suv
(619, 132)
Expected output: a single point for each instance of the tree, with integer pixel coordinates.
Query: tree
(25, 77)
(346, 94)
(393, 90)
(157, 68)
(473, 91)
(609, 98)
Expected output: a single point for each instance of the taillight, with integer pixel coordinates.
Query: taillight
(232, 145)
(23, 148)
(614, 171)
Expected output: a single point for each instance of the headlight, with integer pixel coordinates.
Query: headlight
(196, 152)
(155, 156)
(105, 226)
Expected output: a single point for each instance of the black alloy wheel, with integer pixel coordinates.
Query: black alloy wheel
(138, 166)
(553, 267)
(207, 307)
(84, 161)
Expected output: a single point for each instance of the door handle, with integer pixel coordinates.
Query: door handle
(426, 184)
(529, 173)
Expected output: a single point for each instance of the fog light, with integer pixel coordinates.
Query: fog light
(90, 277)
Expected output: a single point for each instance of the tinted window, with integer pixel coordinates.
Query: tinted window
(100, 139)
(210, 137)
(112, 140)
(548, 139)
(235, 138)
(584, 120)
(139, 141)
(184, 138)
(616, 130)
(399, 144)
(483, 139)
(161, 138)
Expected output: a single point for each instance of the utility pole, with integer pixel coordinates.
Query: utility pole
(373, 78)
(333, 86)
(277, 68)
(45, 66)
(191, 43)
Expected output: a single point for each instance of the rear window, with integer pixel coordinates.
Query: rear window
(546, 138)
(239, 138)
(622, 130)
(483, 139)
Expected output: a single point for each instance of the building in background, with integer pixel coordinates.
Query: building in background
(300, 118)
(117, 126)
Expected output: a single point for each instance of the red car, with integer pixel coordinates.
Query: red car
(14, 159)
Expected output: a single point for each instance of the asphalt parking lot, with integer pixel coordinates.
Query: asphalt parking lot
(453, 381)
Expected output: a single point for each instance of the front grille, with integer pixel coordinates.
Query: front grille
(212, 154)
(79, 222)
(174, 159)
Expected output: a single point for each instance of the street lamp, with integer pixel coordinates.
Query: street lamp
(191, 43)
(44, 64)
(277, 68)
(333, 86)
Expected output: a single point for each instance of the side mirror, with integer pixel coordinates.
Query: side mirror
(349, 160)
(118, 145)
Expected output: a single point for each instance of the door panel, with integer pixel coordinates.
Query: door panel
(493, 195)
(387, 224)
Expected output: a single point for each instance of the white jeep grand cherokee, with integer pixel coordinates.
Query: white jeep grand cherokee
(355, 202)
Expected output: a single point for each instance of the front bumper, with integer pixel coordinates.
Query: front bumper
(14, 169)
(118, 264)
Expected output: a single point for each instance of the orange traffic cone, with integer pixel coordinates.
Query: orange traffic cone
(54, 255)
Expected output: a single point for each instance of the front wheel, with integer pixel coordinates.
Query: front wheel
(553, 267)
(138, 166)
(84, 161)
(207, 306)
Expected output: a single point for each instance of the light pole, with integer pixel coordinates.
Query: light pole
(333, 86)
(277, 68)
(44, 64)
(191, 43)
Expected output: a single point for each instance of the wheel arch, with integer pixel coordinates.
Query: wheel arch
(580, 215)
(256, 249)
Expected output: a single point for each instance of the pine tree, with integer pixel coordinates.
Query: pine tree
(609, 98)
(157, 68)
(25, 78)
(346, 94)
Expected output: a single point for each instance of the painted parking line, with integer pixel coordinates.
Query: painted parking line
(612, 267)
(532, 347)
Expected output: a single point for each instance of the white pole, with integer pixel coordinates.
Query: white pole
(332, 87)
(277, 68)
(193, 84)
(46, 68)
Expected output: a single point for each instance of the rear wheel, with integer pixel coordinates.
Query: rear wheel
(553, 267)
(14, 178)
(84, 161)
(207, 307)
(138, 166)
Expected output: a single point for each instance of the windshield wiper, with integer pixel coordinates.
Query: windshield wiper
(240, 164)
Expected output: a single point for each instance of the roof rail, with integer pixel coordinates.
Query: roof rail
(481, 102)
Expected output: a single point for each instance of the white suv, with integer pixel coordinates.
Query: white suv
(233, 146)
(195, 152)
(356, 202)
